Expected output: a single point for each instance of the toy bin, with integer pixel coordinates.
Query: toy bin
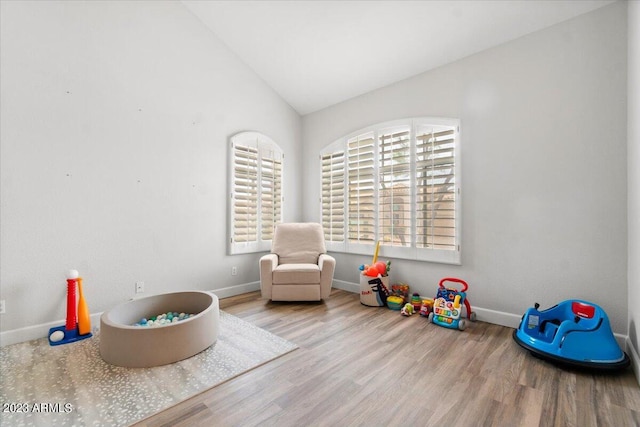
(374, 290)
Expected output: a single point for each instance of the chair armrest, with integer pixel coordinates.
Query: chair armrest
(268, 263)
(327, 265)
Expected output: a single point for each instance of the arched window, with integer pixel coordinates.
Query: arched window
(256, 192)
(398, 183)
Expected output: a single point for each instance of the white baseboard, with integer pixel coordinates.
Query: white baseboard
(635, 359)
(347, 286)
(497, 317)
(232, 291)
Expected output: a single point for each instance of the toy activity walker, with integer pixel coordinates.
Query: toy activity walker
(447, 306)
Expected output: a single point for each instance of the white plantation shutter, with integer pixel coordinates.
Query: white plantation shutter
(436, 188)
(245, 189)
(332, 196)
(394, 187)
(402, 188)
(256, 192)
(361, 198)
(271, 194)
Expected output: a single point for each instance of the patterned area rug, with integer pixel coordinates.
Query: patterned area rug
(70, 384)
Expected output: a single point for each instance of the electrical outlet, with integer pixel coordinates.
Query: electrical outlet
(2, 307)
(234, 271)
(139, 287)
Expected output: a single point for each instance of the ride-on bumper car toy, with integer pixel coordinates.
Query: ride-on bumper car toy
(573, 333)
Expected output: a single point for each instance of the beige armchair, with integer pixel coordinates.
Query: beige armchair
(298, 267)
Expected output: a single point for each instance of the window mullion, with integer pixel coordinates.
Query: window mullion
(413, 184)
(347, 192)
(259, 191)
(376, 186)
(432, 232)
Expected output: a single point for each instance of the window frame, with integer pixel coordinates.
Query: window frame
(262, 145)
(412, 252)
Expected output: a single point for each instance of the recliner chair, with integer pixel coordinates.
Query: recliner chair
(298, 267)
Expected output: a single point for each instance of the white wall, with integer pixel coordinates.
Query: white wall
(633, 170)
(115, 122)
(544, 165)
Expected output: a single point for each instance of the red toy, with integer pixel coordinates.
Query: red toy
(426, 307)
(76, 327)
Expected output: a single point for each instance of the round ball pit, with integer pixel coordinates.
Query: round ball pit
(123, 344)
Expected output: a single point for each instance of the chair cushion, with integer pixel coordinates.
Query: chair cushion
(296, 273)
(298, 243)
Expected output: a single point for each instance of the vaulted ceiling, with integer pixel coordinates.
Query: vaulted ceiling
(319, 53)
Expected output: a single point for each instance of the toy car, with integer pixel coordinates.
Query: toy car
(426, 307)
(575, 333)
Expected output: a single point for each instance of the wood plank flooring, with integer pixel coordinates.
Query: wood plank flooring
(360, 365)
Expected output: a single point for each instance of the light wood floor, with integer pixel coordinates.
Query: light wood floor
(360, 365)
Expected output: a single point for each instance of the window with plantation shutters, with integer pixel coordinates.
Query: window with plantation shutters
(396, 183)
(256, 192)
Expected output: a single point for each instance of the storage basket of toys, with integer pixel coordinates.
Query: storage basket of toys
(374, 289)
(374, 282)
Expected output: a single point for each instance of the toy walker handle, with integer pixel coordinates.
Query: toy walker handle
(453, 279)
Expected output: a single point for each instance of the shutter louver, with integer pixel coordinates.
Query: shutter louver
(332, 197)
(361, 225)
(271, 194)
(436, 189)
(394, 188)
(245, 200)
